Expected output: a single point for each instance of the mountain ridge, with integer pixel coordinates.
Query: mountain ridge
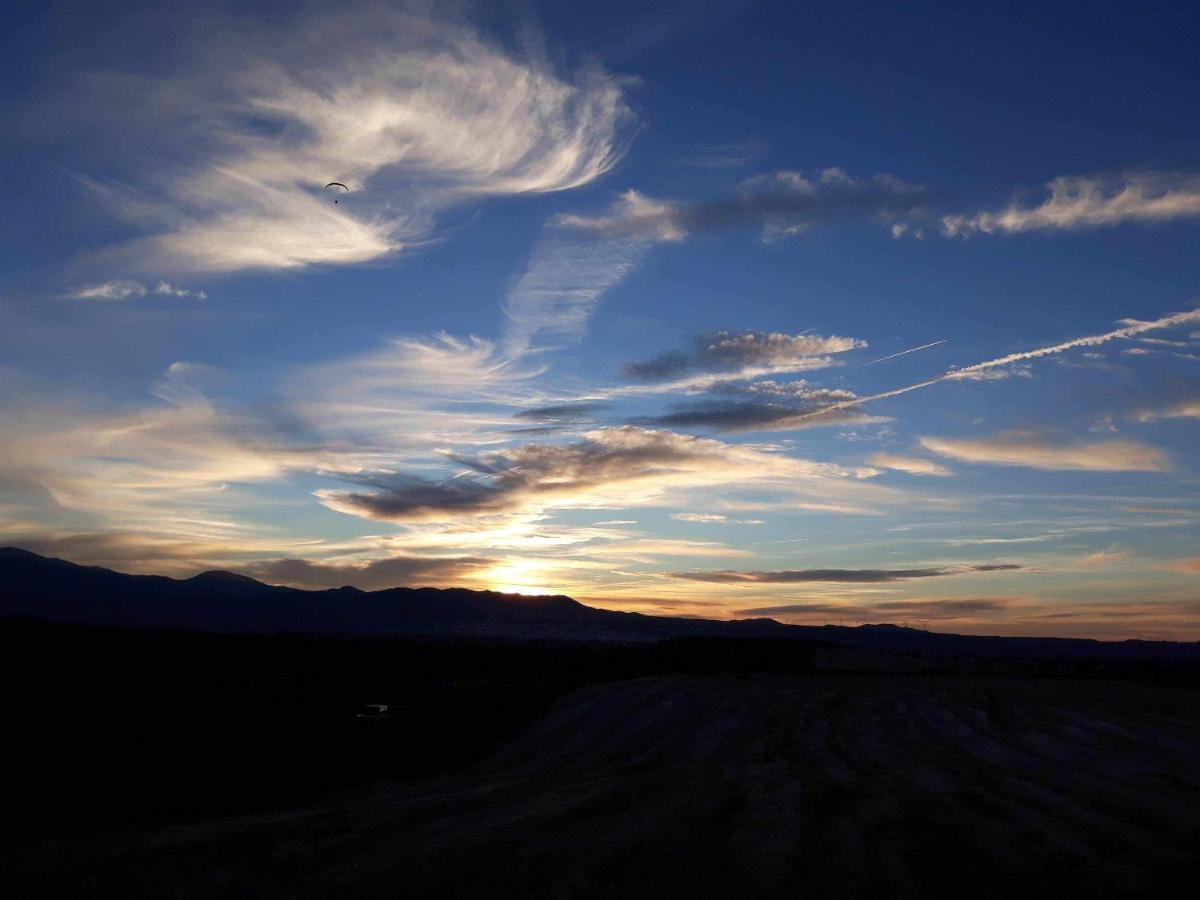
(57, 590)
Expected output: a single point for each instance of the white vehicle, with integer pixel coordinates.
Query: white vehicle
(372, 714)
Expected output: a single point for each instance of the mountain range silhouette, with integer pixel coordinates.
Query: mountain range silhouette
(55, 590)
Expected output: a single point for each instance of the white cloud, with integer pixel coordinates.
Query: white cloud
(900, 229)
(913, 465)
(110, 290)
(1091, 202)
(634, 213)
(412, 114)
(1037, 452)
(714, 519)
(172, 290)
(1184, 409)
(124, 289)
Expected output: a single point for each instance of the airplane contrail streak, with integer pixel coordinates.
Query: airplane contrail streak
(1131, 329)
(903, 352)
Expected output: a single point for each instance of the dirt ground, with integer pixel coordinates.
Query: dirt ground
(762, 785)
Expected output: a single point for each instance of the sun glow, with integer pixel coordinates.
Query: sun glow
(519, 576)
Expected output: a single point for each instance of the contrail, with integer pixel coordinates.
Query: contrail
(910, 350)
(475, 476)
(1131, 329)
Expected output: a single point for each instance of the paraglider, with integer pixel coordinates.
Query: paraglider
(335, 186)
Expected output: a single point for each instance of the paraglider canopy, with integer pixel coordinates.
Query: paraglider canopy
(336, 186)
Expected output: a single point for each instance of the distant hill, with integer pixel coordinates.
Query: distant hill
(59, 591)
(55, 590)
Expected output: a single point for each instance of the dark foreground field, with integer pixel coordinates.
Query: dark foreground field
(547, 771)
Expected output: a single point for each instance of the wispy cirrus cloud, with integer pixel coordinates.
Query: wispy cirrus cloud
(1039, 452)
(415, 115)
(179, 464)
(136, 466)
(712, 519)
(552, 301)
(1081, 202)
(415, 392)
(439, 364)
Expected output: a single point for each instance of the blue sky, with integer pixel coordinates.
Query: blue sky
(862, 313)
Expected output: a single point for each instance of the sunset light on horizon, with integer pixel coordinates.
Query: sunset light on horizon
(658, 310)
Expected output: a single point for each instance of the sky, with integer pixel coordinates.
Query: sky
(833, 313)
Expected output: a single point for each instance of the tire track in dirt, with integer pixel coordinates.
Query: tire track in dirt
(825, 785)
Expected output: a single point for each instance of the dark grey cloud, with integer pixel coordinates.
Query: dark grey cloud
(398, 497)
(760, 406)
(30, 496)
(664, 367)
(848, 576)
(780, 203)
(506, 480)
(727, 156)
(747, 416)
(921, 609)
(738, 352)
(562, 412)
(396, 571)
